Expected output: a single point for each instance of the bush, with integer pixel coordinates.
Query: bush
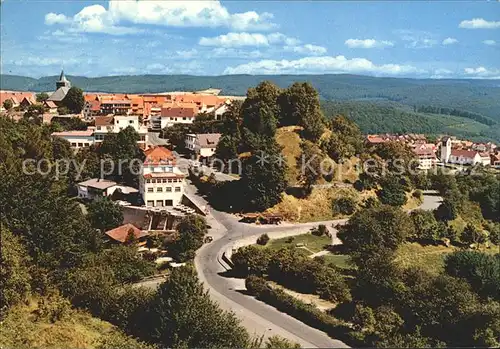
(290, 239)
(263, 239)
(320, 230)
(417, 194)
(344, 205)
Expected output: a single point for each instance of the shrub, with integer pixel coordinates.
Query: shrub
(417, 194)
(263, 239)
(344, 205)
(290, 239)
(320, 230)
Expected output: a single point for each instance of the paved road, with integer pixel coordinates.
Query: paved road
(258, 317)
(154, 139)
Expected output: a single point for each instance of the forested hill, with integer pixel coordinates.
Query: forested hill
(391, 117)
(476, 96)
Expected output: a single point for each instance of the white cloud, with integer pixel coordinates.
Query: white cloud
(479, 23)
(482, 73)
(45, 61)
(187, 53)
(54, 18)
(248, 39)
(233, 53)
(96, 18)
(490, 42)
(367, 43)
(321, 65)
(307, 49)
(442, 74)
(417, 39)
(236, 40)
(449, 41)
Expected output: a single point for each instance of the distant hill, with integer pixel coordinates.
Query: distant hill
(477, 96)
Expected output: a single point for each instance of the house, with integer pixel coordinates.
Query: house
(426, 158)
(161, 183)
(119, 106)
(125, 233)
(465, 157)
(26, 102)
(62, 88)
(77, 139)
(50, 107)
(114, 124)
(95, 188)
(203, 145)
(173, 113)
(495, 160)
(16, 97)
(91, 109)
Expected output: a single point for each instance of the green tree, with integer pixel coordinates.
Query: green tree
(14, 274)
(104, 214)
(309, 165)
(375, 229)
(63, 110)
(191, 229)
(116, 340)
(345, 140)
(427, 227)
(277, 342)
(33, 113)
(263, 179)
(176, 135)
(473, 235)
(74, 100)
(61, 149)
(300, 105)
(393, 192)
(41, 97)
(481, 270)
(7, 104)
(344, 205)
(183, 315)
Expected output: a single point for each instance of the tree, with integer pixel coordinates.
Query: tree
(41, 97)
(260, 110)
(481, 270)
(191, 229)
(309, 165)
(263, 178)
(344, 205)
(115, 340)
(104, 214)
(393, 192)
(277, 342)
(183, 315)
(427, 227)
(473, 235)
(74, 100)
(62, 110)
(14, 274)
(399, 156)
(61, 149)
(375, 229)
(300, 105)
(345, 140)
(33, 112)
(8, 104)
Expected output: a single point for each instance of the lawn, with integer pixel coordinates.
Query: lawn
(311, 242)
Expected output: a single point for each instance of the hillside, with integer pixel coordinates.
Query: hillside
(478, 96)
(382, 117)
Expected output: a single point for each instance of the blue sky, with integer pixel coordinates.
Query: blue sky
(437, 39)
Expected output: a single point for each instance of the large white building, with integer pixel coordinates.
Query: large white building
(116, 123)
(77, 139)
(161, 183)
(203, 145)
(461, 156)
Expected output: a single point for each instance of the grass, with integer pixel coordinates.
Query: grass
(289, 139)
(312, 242)
(339, 260)
(429, 258)
(21, 329)
(317, 206)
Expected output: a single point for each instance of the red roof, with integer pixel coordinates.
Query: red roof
(104, 121)
(121, 233)
(463, 153)
(158, 155)
(95, 105)
(50, 104)
(188, 112)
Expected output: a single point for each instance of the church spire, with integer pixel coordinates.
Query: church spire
(63, 82)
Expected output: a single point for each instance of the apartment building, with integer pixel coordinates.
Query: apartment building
(118, 106)
(162, 182)
(203, 145)
(77, 139)
(116, 123)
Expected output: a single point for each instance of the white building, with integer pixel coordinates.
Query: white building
(161, 183)
(426, 158)
(116, 123)
(445, 149)
(203, 145)
(96, 187)
(467, 157)
(77, 139)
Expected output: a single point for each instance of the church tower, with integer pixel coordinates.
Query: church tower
(63, 82)
(445, 149)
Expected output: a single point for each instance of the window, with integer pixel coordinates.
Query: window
(168, 189)
(73, 144)
(153, 181)
(80, 144)
(150, 190)
(159, 189)
(164, 180)
(150, 203)
(159, 203)
(177, 189)
(98, 127)
(184, 118)
(170, 180)
(169, 203)
(131, 121)
(148, 180)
